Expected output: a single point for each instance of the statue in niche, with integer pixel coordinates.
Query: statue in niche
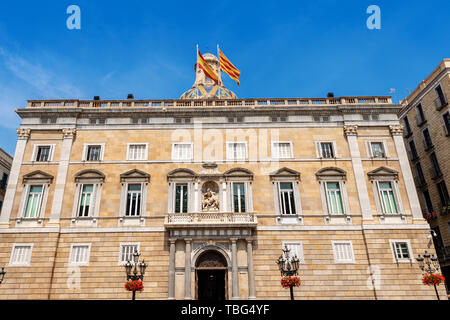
(210, 199)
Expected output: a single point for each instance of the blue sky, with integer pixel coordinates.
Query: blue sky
(283, 49)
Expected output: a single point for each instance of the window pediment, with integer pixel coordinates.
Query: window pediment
(285, 173)
(135, 175)
(331, 173)
(238, 173)
(89, 174)
(181, 173)
(38, 176)
(383, 172)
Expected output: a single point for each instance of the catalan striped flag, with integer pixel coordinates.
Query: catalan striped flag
(209, 72)
(229, 68)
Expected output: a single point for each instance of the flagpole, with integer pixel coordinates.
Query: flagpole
(220, 76)
(196, 75)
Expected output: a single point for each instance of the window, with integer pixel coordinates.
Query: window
(413, 150)
(34, 200)
(408, 130)
(440, 97)
(79, 254)
(435, 164)
(333, 192)
(87, 195)
(334, 198)
(137, 152)
(21, 255)
(401, 250)
(443, 193)
(182, 120)
(134, 198)
(239, 197)
(281, 150)
(446, 119)
(428, 202)
(343, 252)
(387, 198)
(43, 154)
(93, 152)
(326, 150)
(377, 149)
(181, 198)
(236, 150)
(296, 249)
(85, 200)
(182, 151)
(427, 139)
(126, 252)
(235, 119)
(420, 115)
(4, 181)
(420, 176)
(287, 203)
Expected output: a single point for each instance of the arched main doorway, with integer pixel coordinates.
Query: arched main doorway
(211, 276)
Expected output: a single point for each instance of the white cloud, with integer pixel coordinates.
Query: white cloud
(47, 83)
(22, 79)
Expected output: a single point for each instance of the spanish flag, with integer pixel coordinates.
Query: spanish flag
(228, 68)
(209, 72)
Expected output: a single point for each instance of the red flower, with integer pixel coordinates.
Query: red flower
(289, 281)
(433, 279)
(134, 285)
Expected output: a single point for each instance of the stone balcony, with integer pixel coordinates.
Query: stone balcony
(211, 219)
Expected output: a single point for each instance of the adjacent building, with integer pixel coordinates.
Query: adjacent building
(426, 117)
(5, 167)
(209, 188)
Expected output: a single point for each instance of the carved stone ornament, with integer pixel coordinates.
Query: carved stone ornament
(351, 130)
(396, 130)
(211, 259)
(69, 133)
(210, 198)
(23, 133)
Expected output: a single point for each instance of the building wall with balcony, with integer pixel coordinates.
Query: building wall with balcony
(438, 124)
(253, 237)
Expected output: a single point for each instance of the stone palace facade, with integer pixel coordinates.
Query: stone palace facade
(209, 189)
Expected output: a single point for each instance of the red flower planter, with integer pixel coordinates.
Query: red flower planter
(288, 281)
(433, 279)
(134, 285)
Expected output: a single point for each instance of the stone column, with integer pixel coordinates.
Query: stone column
(397, 136)
(224, 197)
(172, 269)
(351, 132)
(251, 275)
(234, 270)
(22, 137)
(61, 178)
(187, 270)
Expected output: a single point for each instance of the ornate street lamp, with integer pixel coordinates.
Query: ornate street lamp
(288, 266)
(2, 275)
(429, 264)
(133, 275)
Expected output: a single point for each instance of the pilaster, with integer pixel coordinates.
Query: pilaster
(61, 178)
(22, 138)
(351, 133)
(397, 136)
